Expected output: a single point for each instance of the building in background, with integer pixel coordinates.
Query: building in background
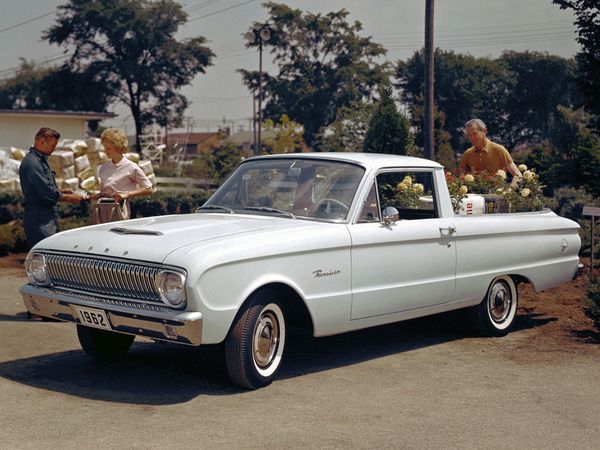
(18, 127)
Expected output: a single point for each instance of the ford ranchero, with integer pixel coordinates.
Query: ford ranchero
(325, 241)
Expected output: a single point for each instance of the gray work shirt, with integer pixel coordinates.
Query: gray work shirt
(37, 180)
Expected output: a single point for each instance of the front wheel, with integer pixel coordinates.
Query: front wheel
(254, 346)
(496, 313)
(104, 345)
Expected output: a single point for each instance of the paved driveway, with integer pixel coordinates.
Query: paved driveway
(419, 384)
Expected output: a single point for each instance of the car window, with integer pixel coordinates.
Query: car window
(412, 193)
(304, 187)
(370, 208)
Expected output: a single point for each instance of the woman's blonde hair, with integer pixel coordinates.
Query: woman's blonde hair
(116, 137)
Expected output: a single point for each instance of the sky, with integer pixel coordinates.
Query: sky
(477, 27)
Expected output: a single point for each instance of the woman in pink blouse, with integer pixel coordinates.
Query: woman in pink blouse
(120, 178)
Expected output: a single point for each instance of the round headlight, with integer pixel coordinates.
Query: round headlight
(171, 286)
(35, 264)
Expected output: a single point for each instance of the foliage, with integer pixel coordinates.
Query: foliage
(408, 193)
(573, 155)
(587, 14)
(593, 296)
(12, 238)
(55, 88)
(162, 203)
(347, 132)
(389, 131)
(527, 196)
(324, 65)
(11, 206)
(287, 139)
(222, 161)
(130, 46)
(514, 94)
(569, 202)
(541, 83)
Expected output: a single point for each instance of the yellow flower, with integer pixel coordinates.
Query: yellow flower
(499, 190)
(501, 174)
(522, 167)
(407, 180)
(464, 189)
(419, 188)
(525, 192)
(402, 186)
(528, 175)
(469, 178)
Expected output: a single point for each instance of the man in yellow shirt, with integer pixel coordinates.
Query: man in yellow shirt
(486, 155)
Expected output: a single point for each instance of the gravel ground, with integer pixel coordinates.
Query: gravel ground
(417, 384)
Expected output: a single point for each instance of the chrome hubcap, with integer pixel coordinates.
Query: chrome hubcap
(500, 302)
(266, 338)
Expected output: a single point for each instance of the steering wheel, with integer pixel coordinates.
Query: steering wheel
(327, 207)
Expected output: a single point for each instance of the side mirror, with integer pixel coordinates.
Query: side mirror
(390, 215)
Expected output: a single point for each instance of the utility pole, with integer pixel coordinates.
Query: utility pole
(428, 127)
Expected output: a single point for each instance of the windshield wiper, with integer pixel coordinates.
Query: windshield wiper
(224, 208)
(273, 210)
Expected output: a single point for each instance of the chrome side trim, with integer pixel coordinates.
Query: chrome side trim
(165, 324)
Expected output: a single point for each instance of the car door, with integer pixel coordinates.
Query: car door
(405, 264)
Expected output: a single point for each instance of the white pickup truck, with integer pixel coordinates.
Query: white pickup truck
(328, 241)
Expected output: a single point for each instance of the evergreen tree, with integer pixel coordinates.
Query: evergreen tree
(389, 130)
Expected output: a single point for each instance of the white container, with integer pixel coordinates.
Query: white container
(473, 205)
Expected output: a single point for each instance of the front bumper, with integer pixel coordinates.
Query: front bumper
(158, 323)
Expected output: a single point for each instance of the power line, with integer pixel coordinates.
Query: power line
(220, 11)
(12, 27)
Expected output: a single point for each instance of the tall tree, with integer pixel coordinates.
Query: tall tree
(389, 131)
(347, 132)
(465, 87)
(587, 14)
(57, 88)
(515, 95)
(130, 45)
(324, 64)
(542, 82)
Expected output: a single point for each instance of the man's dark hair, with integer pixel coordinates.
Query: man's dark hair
(45, 133)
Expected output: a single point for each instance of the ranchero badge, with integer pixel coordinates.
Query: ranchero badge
(325, 273)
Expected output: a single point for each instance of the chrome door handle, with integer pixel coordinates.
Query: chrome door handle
(451, 229)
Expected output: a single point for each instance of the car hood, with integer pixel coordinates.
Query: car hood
(154, 238)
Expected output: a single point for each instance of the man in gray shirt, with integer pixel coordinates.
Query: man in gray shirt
(40, 218)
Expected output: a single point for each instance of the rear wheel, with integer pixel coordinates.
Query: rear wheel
(496, 313)
(104, 345)
(254, 346)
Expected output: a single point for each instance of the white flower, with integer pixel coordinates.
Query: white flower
(464, 189)
(522, 167)
(407, 180)
(502, 174)
(469, 178)
(402, 186)
(528, 175)
(525, 192)
(419, 188)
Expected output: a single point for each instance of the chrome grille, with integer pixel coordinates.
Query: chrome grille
(104, 277)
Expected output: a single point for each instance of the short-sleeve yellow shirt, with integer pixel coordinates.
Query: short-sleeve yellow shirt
(492, 158)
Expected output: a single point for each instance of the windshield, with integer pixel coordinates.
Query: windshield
(307, 188)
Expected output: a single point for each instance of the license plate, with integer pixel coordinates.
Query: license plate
(93, 317)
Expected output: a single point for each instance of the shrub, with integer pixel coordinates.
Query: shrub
(569, 202)
(11, 206)
(12, 238)
(593, 295)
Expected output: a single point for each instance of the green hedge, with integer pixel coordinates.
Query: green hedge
(12, 235)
